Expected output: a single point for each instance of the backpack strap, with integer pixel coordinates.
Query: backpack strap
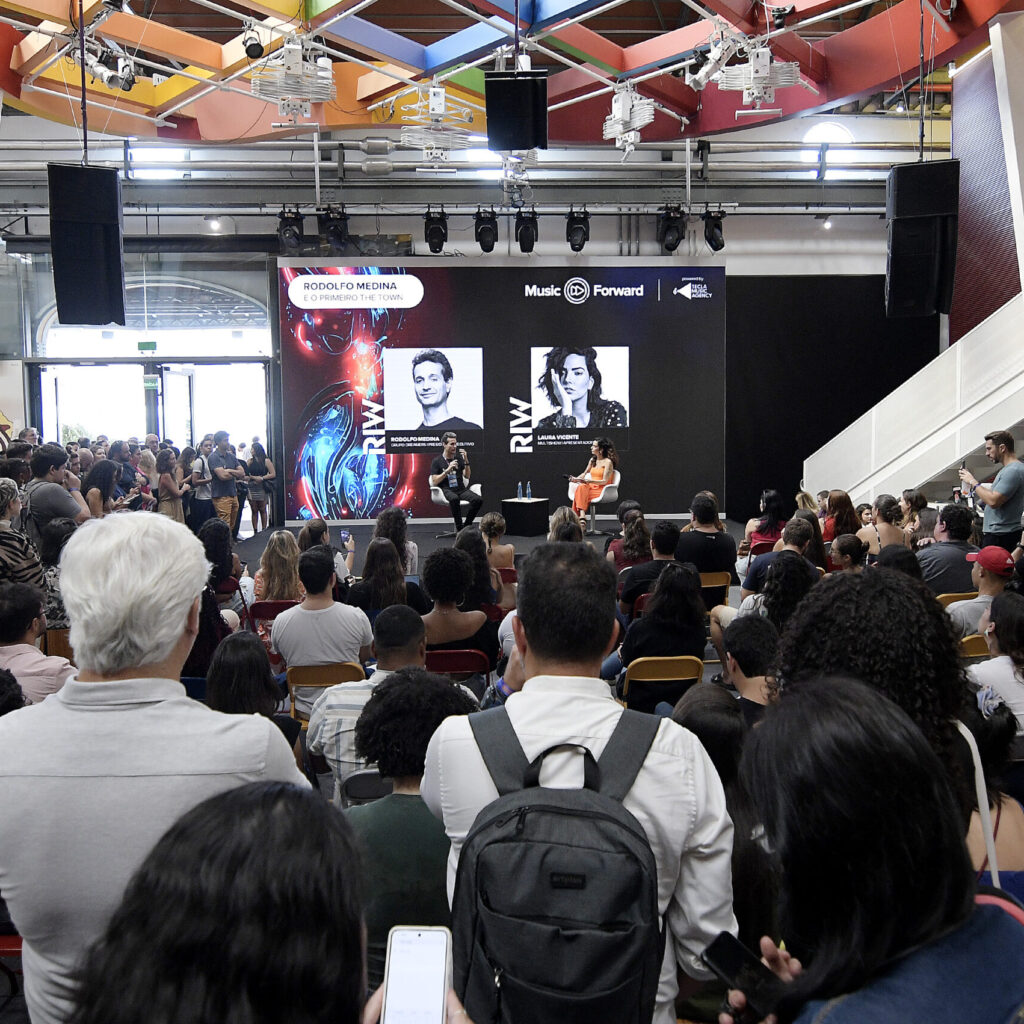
(500, 748)
(625, 752)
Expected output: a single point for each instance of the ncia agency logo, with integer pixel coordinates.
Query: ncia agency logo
(576, 291)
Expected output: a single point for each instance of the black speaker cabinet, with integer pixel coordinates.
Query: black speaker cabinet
(921, 204)
(85, 243)
(517, 109)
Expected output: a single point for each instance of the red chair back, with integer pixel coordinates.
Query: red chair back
(762, 547)
(461, 662)
(639, 604)
(267, 611)
(508, 575)
(494, 612)
(231, 586)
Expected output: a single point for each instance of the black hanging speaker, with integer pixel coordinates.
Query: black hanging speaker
(85, 244)
(922, 201)
(517, 109)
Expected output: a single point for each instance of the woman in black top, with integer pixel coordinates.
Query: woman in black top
(383, 583)
(672, 623)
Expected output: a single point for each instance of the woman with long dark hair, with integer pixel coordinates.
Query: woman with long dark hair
(486, 585)
(572, 383)
(634, 546)
(840, 516)
(392, 525)
(100, 486)
(876, 894)
(383, 583)
(759, 529)
(259, 474)
(1002, 625)
(599, 472)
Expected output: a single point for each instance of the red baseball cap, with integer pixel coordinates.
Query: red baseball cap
(994, 559)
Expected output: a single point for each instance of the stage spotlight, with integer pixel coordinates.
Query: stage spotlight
(527, 230)
(333, 225)
(253, 47)
(435, 231)
(713, 230)
(671, 228)
(289, 230)
(577, 229)
(485, 229)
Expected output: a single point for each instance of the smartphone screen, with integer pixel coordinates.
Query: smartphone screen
(416, 976)
(739, 968)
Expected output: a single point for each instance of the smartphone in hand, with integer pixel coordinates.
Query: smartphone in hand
(739, 968)
(417, 975)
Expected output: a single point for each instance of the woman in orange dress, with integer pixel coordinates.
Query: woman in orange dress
(597, 475)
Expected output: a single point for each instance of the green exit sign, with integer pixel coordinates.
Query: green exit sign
(150, 382)
(147, 346)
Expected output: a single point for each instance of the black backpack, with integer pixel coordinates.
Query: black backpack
(555, 911)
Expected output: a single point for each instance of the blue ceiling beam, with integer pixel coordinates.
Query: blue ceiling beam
(464, 46)
(375, 41)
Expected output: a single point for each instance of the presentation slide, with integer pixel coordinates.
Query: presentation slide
(527, 365)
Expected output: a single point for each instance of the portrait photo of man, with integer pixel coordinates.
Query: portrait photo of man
(445, 384)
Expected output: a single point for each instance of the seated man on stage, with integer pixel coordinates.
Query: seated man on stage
(451, 471)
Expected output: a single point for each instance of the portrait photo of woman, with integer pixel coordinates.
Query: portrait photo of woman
(572, 382)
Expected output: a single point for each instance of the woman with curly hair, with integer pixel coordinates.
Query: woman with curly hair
(277, 578)
(572, 383)
(392, 732)
(886, 629)
(883, 529)
(634, 546)
(392, 525)
(215, 536)
(383, 583)
(598, 474)
(486, 585)
(789, 579)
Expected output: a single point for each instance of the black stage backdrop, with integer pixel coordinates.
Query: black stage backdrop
(805, 357)
(378, 361)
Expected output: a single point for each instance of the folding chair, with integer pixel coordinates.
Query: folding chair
(266, 611)
(639, 604)
(459, 665)
(762, 547)
(714, 585)
(364, 786)
(58, 645)
(494, 612)
(659, 679)
(973, 646)
(232, 586)
(319, 677)
(947, 599)
(508, 575)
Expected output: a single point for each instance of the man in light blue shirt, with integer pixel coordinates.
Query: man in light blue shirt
(1004, 497)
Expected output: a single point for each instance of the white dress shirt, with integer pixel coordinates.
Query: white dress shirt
(677, 798)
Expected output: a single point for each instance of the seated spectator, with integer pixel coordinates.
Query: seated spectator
(392, 732)
(100, 770)
(391, 525)
(447, 576)
(805, 500)
(863, 511)
(19, 562)
(990, 572)
(620, 513)
(884, 527)
(924, 533)
(911, 504)
(634, 546)
(22, 623)
(900, 558)
(399, 641)
(55, 536)
(46, 497)
(888, 631)
(751, 646)
(256, 884)
(815, 551)
(277, 578)
(672, 623)
(796, 536)
(316, 531)
(564, 526)
(225, 563)
(216, 622)
(766, 527)
(383, 583)
(848, 553)
(642, 578)
(500, 556)
(706, 546)
(486, 585)
(1002, 626)
(901, 939)
(239, 681)
(944, 567)
(101, 487)
(320, 630)
(789, 579)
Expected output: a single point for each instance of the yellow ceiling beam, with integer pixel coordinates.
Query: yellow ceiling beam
(133, 32)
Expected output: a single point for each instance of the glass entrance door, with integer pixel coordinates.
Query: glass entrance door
(177, 406)
(84, 401)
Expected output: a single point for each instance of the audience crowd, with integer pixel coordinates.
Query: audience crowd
(842, 789)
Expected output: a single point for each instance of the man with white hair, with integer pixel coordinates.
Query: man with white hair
(91, 777)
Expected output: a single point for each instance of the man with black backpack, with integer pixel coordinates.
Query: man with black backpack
(561, 890)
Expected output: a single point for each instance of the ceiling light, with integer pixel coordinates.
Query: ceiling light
(671, 228)
(253, 47)
(213, 222)
(333, 226)
(827, 224)
(435, 231)
(713, 230)
(577, 229)
(527, 230)
(289, 230)
(485, 229)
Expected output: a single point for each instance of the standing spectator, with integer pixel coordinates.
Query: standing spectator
(226, 473)
(55, 536)
(391, 524)
(19, 562)
(1004, 497)
(260, 474)
(22, 623)
(45, 496)
(202, 481)
(392, 732)
(169, 492)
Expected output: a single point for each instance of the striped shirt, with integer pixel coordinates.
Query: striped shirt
(19, 562)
